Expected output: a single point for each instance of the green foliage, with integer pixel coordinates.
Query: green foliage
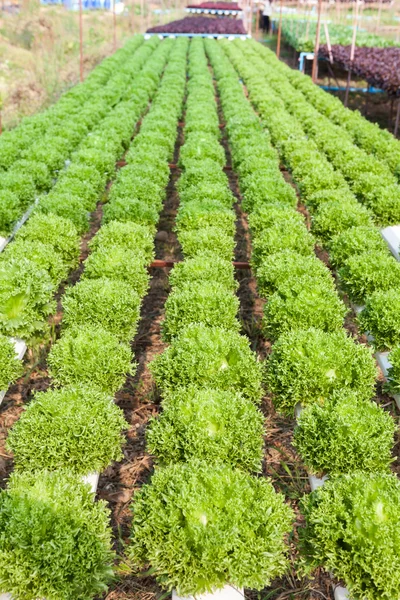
(89, 354)
(82, 189)
(209, 357)
(393, 383)
(301, 304)
(123, 264)
(199, 171)
(199, 214)
(354, 241)
(25, 298)
(204, 191)
(130, 236)
(282, 236)
(202, 146)
(87, 173)
(264, 217)
(307, 366)
(207, 303)
(103, 161)
(204, 268)
(55, 542)
(353, 529)
(38, 171)
(42, 255)
(277, 270)
(66, 206)
(381, 318)
(55, 231)
(235, 522)
(19, 184)
(130, 210)
(206, 240)
(113, 305)
(211, 425)
(338, 195)
(78, 427)
(10, 367)
(345, 434)
(10, 211)
(365, 273)
(332, 218)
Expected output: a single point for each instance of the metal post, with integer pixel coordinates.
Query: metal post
(278, 44)
(316, 47)
(80, 42)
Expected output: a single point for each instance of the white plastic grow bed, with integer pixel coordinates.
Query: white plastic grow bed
(391, 235)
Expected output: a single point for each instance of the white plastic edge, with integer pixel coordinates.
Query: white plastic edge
(5, 596)
(229, 592)
(341, 593)
(93, 480)
(391, 235)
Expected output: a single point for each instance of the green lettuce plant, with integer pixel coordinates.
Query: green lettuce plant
(113, 305)
(119, 263)
(334, 217)
(207, 267)
(209, 357)
(282, 236)
(66, 206)
(200, 146)
(55, 231)
(205, 213)
(84, 190)
(365, 273)
(302, 304)
(131, 236)
(200, 171)
(277, 270)
(205, 240)
(354, 241)
(10, 367)
(26, 294)
(344, 434)
(307, 366)
(212, 425)
(236, 523)
(10, 211)
(207, 303)
(338, 195)
(42, 255)
(38, 171)
(381, 318)
(267, 216)
(89, 354)
(130, 210)
(77, 427)
(19, 184)
(55, 542)
(353, 529)
(393, 383)
(218, 192)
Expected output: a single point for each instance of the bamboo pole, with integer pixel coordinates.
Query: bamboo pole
(141, 16)
(257, 20)
(352, 52)
(251, 19)
(328, 42)
(278, 43)
(316, 47)
(80, 42)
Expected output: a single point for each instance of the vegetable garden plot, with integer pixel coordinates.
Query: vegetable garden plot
(349, 441)
(71, 410)
(202, 25)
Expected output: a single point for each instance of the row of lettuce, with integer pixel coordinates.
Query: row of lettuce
(204, 521)
(36, 153)
(314, 363)
(75, 428)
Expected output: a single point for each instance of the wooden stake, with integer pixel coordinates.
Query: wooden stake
(251, 18)
(278, 43)
(316, 47)
(328, 42)
(141, 16)
(80, 42)
(257, 20)
(352, 52)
